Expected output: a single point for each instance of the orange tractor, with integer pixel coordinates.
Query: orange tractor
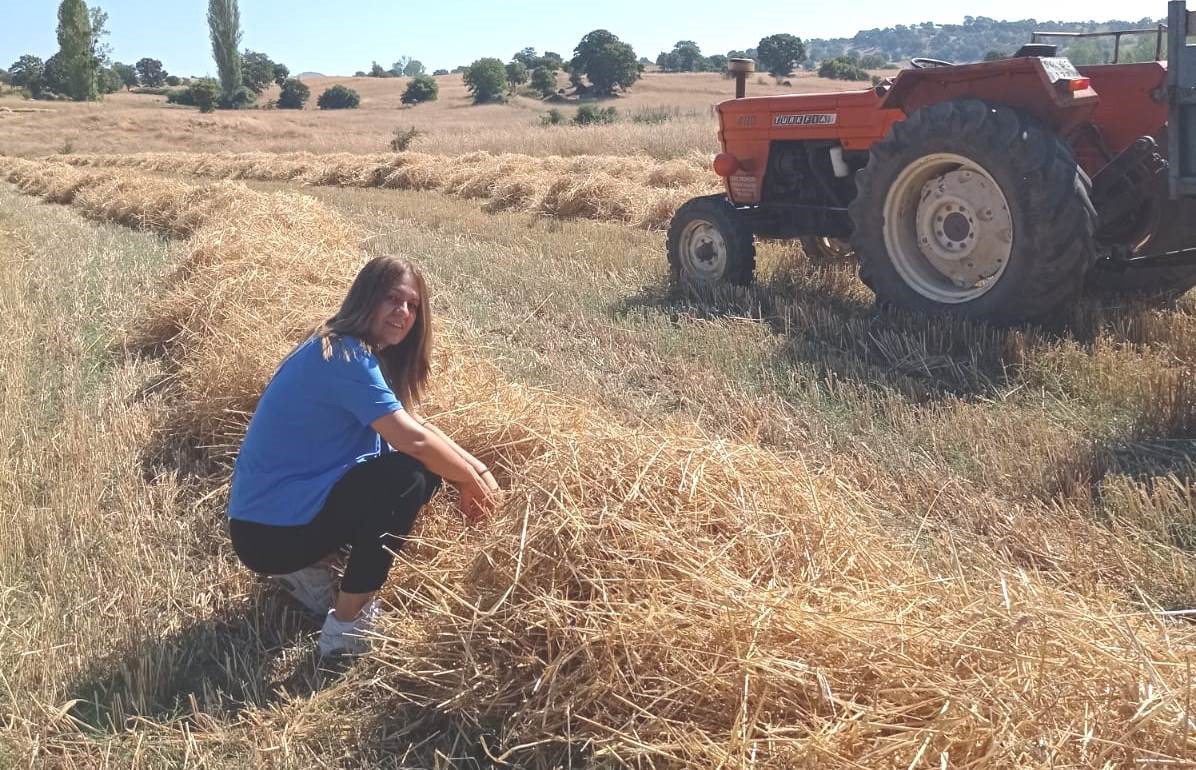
(994, 191)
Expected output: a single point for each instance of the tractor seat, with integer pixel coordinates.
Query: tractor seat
(1036, 49)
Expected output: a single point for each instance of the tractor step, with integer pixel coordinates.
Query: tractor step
(1118, 264)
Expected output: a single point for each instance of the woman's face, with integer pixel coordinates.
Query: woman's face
(395, 315)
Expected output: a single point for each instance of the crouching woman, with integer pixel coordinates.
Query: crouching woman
(335, 455)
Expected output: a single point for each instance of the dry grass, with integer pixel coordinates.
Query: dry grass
(630, 190)
(658, 595)
(449, 126)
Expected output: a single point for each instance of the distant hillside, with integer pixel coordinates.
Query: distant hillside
(979, 35)
(310, 75)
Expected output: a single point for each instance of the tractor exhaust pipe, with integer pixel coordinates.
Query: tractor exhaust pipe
(741, 68)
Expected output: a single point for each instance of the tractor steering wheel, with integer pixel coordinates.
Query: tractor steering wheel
(921, 63)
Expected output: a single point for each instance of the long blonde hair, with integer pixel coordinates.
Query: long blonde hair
(405, 366)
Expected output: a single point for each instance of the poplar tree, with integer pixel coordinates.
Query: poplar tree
(75, 50)
(224, 22)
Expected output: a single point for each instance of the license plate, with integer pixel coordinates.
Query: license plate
(1058, 68)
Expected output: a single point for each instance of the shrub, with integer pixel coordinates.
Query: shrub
(592, 114)
(155, 90)
(294, 95)
(654, 115)
(402, 139)
(180, 96)
(441, 72)
(842, 68)
(205, 93)
(553, 117)
(486, 79)
(173, 80)
(239, 98)
(338, 98)
(422, 88)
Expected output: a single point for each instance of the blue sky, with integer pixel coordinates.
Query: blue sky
(336, 38)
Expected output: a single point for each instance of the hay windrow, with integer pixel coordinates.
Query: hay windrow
(638, 191)
(657, 596)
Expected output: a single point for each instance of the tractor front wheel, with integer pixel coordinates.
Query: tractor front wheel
(975, 210)
(709, 244)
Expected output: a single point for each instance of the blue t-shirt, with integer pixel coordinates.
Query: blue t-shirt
(312, 425)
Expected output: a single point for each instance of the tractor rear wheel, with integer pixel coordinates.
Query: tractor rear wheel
(710, 244)
(976, 210)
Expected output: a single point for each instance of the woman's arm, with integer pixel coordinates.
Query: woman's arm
(478, 466)
(441, 456)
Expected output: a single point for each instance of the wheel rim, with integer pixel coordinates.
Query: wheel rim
(830, 248)
(947, 228)
(703, 251)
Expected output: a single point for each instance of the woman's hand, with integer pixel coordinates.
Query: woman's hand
(490, 481)
(478, 497)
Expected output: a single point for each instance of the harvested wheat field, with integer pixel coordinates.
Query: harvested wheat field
(793, 532)
(664, 116)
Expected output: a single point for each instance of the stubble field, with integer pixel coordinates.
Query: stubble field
(775, 528)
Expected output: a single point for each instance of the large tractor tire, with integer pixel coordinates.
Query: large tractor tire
(709, 244)
(976, 210)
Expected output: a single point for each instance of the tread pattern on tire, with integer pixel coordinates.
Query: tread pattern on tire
(1054, 221)
(741, 246)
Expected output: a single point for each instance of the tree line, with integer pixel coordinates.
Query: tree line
(979, 38)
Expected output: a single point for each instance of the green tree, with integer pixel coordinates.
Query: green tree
(516, 74)
(74, 46)
(257, 71)
(108, 81)
(414, 67)
(55, 78)
(527, 57)
(224, 26)
(281, 73)
(607, 62)
(842, 68)
(127, 74)
(486, 79)
(150, 72)
(993, 55)
(1089, 52)
(338, 97)
(294, 95)
(544, 80)
(100, 50)
(422, 88)
(28, 72)
(689, 56)
(780, 54)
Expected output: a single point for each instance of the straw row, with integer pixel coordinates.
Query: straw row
(657, 597)
(636, 191)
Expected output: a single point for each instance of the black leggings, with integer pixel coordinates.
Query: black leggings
(370, 509)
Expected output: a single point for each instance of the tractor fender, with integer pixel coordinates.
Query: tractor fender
(1027, 85)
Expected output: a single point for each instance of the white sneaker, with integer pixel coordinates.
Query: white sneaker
(348, 637)
(313, 586)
